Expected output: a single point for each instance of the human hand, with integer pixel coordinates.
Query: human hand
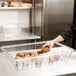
(50, 44)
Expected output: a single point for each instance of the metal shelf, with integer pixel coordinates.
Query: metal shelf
(26, 36)
(11, 8)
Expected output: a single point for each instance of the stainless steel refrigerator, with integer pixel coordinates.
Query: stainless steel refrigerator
(54, 16)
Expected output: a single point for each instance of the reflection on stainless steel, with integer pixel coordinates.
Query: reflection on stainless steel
(38, 17)
(59, 14)
(54, 16)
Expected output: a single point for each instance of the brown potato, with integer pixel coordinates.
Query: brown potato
(56, 57)
(40, 52)
(39, 61)
(25, 4)
(33, 53)
(51, 59)
(27, 54)
(17, 57)
(22, 54)
(14, 4)
(45, 49)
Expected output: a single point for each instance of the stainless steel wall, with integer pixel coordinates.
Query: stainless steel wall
(58, 16)
(53, 17)
(39, 17)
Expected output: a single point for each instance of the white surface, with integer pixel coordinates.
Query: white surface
(7, 69)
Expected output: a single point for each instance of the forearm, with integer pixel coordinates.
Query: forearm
(52, 42)
(58, 39)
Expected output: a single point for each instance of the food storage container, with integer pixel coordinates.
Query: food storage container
(25, 56)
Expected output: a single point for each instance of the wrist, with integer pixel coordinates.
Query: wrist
(58, 39)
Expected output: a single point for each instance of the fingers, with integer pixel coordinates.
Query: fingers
(45, 45)
(50, 44)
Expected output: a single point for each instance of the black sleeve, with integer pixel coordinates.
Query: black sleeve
(67, 34)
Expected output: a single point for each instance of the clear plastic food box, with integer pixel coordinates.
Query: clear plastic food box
(57, 54)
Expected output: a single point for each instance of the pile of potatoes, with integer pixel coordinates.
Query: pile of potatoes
(32, 53)
(52, 58)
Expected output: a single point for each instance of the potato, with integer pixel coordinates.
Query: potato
(17, 57)
(33, 53)
(51, 59)
(57, 57)
(45, 49)
(22, 54)
(40, 52)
